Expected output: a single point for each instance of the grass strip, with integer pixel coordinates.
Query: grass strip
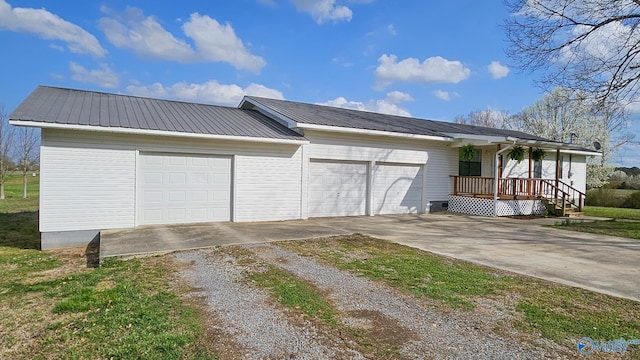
(609, 212)
(296, 294)
(449, 281)
(622, 228)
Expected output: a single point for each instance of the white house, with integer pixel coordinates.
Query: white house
(114, 161)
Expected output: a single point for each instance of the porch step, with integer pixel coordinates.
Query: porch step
(572, 214)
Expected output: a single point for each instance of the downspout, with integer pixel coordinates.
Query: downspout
(495, 178)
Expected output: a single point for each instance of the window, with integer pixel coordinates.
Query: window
(473, 167)
(537, 169)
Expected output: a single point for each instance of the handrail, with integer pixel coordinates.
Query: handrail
(541, 188)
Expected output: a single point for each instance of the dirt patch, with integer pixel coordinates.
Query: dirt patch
(379, 327)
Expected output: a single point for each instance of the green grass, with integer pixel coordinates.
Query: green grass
(53, 306)
(615, 213)
(623, 228)
(18, 216)
(13, 201)
(446, 280)
(124, 309)
(296, 294)
(559, 313)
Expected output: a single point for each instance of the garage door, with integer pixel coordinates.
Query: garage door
(397, 189)
(177, 188)
(337, 188)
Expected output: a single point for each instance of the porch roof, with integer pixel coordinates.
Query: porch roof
(461, 139)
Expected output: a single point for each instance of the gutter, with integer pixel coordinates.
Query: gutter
(119, 130)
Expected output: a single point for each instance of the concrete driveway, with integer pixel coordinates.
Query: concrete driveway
(602, 263)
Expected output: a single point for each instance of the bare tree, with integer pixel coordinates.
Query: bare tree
(570, 116)
(28, 154)
(6, 146)
(488, 117)
(589, 45)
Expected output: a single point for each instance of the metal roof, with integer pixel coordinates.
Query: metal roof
(331, 116)
(50, 105)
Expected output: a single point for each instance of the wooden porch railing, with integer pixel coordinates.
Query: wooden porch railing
(553, 190)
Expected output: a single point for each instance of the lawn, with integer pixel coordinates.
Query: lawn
(54, 306)
(623, 222)
(559, 313)
(614, 213)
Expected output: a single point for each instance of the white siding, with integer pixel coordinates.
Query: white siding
(86, 188)
(574, 168)
(89, 179)
(443, 162)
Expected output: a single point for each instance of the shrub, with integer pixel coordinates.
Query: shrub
(632, 201)
(603, 197)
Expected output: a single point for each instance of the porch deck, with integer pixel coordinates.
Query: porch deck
(516, 196)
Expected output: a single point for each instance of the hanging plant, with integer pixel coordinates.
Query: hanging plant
(537, 154)
(516, 153)
(467, 152)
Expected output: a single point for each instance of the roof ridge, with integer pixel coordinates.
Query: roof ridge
(138, 97)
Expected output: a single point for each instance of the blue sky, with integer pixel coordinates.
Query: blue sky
(426, 59)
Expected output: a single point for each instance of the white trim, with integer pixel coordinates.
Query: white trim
(463, 137)
(371, 171)
(423, 205)
(234, 186)
(119, 130)
(580, 152)
(340, 129)
(136, 199)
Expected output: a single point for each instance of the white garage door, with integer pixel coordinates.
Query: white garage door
(176, 188)
(337, 188)
(397, 189)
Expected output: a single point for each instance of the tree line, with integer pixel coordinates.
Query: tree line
(19, 152)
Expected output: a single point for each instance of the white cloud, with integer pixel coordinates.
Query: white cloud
(217, 42)
(323, 10)
(398, 96)
(210, 92)
(392, 30)
(388, 105)
(432, 70)
(103, 77)
(213, 41)
(49, 26)
(443, 95)
(497, 70)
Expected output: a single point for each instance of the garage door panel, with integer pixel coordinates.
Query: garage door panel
(397, 189)
(184, 189)
(337, 188)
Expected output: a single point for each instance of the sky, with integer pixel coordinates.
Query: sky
(425, 59)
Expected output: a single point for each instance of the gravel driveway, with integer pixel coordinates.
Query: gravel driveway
(261, 328)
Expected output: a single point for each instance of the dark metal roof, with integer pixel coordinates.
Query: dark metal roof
(49, 105)
(331, 116)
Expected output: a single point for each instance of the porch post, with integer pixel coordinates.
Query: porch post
(529, 181)
(557, 172)
(497, 175)
(499, 168)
